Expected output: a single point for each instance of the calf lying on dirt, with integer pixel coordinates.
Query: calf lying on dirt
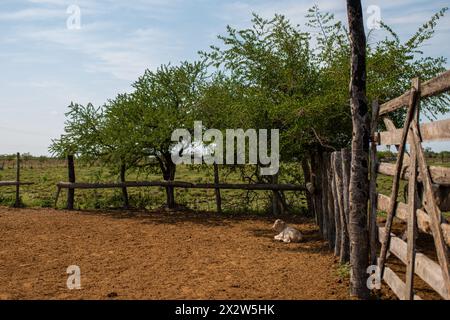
(286, 234)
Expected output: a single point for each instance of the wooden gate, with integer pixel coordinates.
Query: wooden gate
(422, 212)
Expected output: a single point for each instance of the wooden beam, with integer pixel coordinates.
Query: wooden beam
(412, 217)
(390, 126)
(14, 183)
(180, 184)
(439, 175)
(431, 131)
(427, 269)
(430, 88)
(398, 166)
(431, 207)
(396, 284)
(423, 219)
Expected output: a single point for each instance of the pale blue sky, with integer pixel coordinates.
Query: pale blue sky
(44, 65)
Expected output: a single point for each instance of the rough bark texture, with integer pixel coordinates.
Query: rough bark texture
(324, 195)
(345, 242)
(373, 232)
(335, 159)
(359, 184)
(331, 220)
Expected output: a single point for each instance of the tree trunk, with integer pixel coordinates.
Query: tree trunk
(359, 183)
(169, 170)
(126, 202)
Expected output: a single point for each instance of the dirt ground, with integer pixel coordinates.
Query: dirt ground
(129, 255)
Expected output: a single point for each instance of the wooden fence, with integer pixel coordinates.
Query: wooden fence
(427, 193)
(16, 183)
(71, 186)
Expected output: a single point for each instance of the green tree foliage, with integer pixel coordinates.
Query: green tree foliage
(273, 75)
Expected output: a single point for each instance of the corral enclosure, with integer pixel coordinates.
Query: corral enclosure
(156, 255)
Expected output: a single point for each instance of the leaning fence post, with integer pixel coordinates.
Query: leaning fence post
(71, 191)
(17, 203)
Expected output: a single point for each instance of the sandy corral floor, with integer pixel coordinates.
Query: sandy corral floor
(159, 255)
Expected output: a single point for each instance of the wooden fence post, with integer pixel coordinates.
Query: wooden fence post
(330, 199)
(373, 195)
(317, 181)
(307, 172)
(395, 184)
(18, 202)
(345, 171)
(324, 195)
(335, 157)
(217, 190)
(71, 191)
(411, 224)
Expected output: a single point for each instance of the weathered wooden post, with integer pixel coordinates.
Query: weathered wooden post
(345, 242)
(396, 180)
(359, 182)
(373, 232)
(217, 189)
(123, 171)
(324, 195)
(71, 191)
(317, 183)
(330, 201)
(308, 184)
(335, 157)
(18, 202)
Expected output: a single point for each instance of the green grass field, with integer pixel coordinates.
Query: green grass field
(45, 175)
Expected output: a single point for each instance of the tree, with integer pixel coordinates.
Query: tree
(359, 183)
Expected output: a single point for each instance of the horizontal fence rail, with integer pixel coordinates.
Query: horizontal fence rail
(180, 184)
(14, 183)
(431, 131)
(427, 269)
(423, 219)
(439, 175)
(429, 88)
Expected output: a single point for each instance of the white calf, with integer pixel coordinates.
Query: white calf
(286, 234)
